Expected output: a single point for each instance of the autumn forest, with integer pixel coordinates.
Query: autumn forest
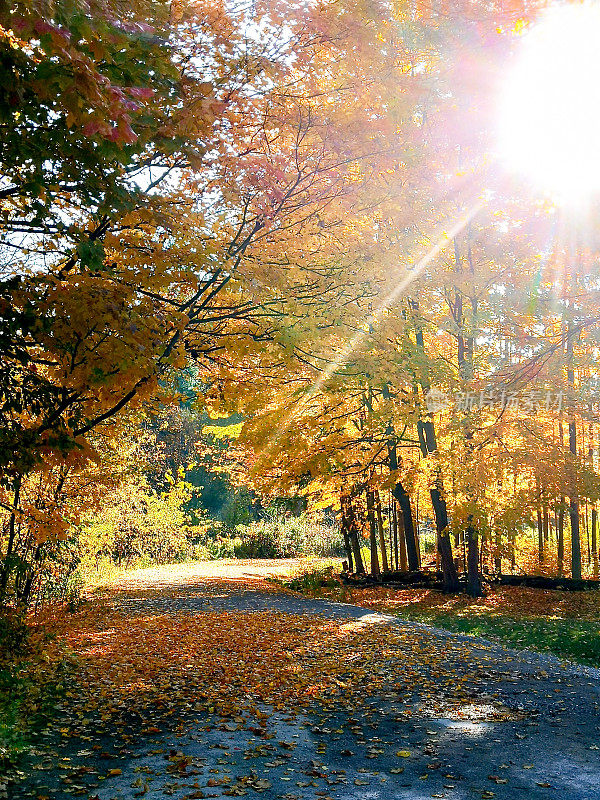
(288, 279)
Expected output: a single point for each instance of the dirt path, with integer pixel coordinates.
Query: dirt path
(203, 681)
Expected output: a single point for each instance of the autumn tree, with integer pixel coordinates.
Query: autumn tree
(188, 186)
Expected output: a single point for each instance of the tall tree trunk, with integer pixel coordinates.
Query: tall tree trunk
(513, 548)
(417, 532)
(406, 523)
(24, 592)
(392, 529)
(587, 534)
(346, 535)
(12, 530)
(560, 522)
(375, 571)
(465, 354)
(401, 540)
(595, 541)
(428, 443)
(449, 572)
(498, 553)
(399, 493)
(353, 533)
(540, 530)
(574, 499)
(384, 559)
(574, 514)
(440, 512)
(560, 533)
(473, 576)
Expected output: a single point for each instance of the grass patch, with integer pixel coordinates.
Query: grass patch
(565, 624)
(576, 640)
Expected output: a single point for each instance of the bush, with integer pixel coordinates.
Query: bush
(258, 541)
(64, 585)
(237, 510)
(139, 526)
(13, 632)
(312, 582)
(280, 536)
(220, 547)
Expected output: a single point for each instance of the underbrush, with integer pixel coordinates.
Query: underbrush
(33, 672)
(280, 536)
(314, 581)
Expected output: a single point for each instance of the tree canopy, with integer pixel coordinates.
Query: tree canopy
(305, 204)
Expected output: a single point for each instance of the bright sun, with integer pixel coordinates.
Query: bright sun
(550, 110)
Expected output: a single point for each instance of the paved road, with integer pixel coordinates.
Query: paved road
(532, 729)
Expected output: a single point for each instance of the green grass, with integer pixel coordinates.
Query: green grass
(572, 639)
(576, 640)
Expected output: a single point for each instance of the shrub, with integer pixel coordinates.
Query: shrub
(312, 582)
(281, 536)
(13, 632)
(138, 526)
(220, 547)
(236, 510)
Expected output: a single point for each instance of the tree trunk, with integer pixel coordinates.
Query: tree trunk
(449, 572)
(428, 443)
(407, 525)
(359, 567)
(392, 529)
(595, 541)
(465, 353)
(440, 512)
(561, 538)
(574, 500)
(12, 529)
(384, 559)
(498, 553)
(473, 578)
(513, 547)
(394, 532)
(417, 531)
(346, 535)
(587, 535)
(540, 529)
(399, 493)
(24, 593)
(574, 514)
(401, 540)
(375, 571)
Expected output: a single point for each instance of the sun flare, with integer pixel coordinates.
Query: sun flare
(550, 109)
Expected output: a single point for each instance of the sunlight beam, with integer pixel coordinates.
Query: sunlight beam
(353, 343)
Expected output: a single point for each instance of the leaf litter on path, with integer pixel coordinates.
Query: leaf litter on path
(178, 703)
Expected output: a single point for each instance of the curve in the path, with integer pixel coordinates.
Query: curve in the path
(547, 747)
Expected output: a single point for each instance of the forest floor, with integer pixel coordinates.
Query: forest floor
(207, 680)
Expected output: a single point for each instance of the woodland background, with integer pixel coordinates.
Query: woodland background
(239, 246)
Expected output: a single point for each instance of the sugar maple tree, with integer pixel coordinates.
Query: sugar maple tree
(189, 182)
